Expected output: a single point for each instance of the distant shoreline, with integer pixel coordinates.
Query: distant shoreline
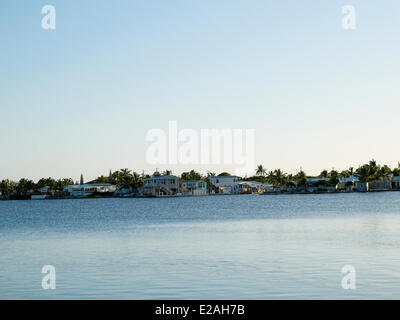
(198, 196)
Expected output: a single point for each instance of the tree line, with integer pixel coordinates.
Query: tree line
(125, 178)
(368, 172)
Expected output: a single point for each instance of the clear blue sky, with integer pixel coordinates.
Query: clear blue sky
(82, 97)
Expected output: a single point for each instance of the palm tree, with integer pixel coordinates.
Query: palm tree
(290, 180)
(59, 185)
(301, 179)
(192, 175)
(365, 174)
(385, 171)
(208, 180)
(344, 174)
(137, 180)
(102, 179)
(271, 177)
(323, 174)
(261, 171)
(333, 177)
(396, 171)
(280, 177)
(6, 187)
(375, 170)
(24, 186)
(124, 178)
(125, 172)
(46, 182)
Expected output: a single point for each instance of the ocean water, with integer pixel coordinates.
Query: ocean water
(215, 247)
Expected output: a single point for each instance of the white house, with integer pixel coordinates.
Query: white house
(225, 184)
(349, 183)
(223, 179)
(247, 187)
(160, 185)
(194, 187)
(86, 190)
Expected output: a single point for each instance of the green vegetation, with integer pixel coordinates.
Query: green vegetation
(192, 175)
(23, 187)
(125, 178)
(366, 173)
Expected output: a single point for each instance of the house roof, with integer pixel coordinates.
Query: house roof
(221, 177)
(161, 177)
(90, 185)
(253, 183)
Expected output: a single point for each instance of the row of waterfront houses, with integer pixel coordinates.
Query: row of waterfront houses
(169, 185)
(160, 185)
(352, 184)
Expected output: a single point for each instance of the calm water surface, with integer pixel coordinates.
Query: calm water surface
(216, 247)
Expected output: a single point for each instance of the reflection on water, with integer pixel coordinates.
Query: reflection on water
(217, 247)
